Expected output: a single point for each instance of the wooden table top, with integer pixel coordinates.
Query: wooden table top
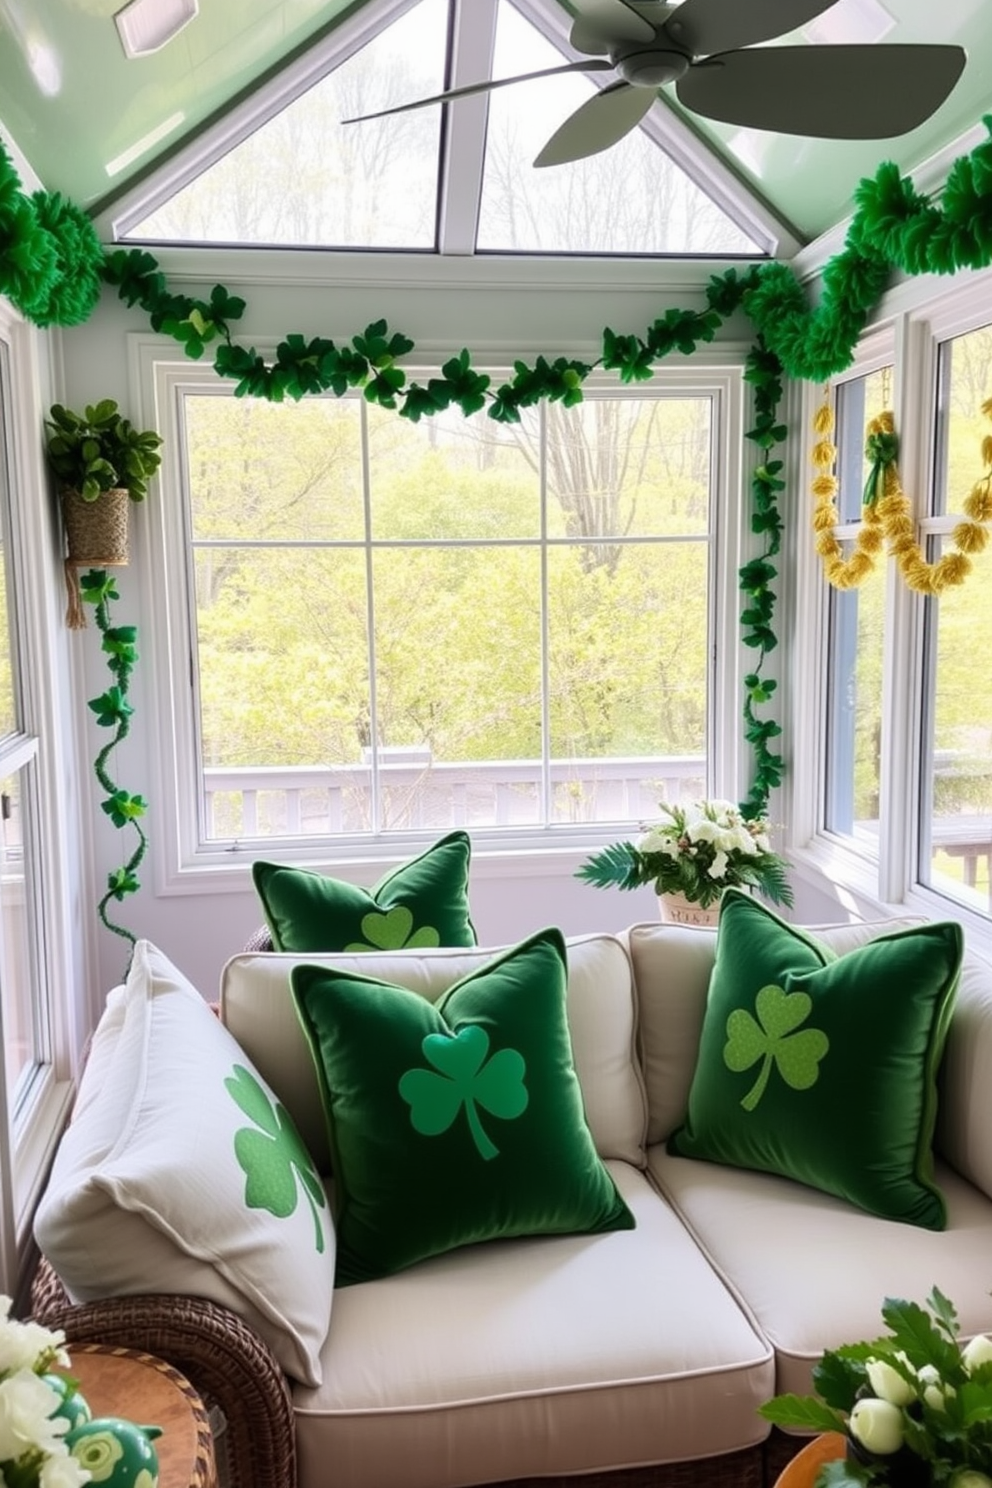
(150, 1392)
(802, 1470)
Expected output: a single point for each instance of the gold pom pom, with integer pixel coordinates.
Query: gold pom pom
(827, 545)
(987, 450)
(871, 539)
(824, 454)
(824, 485)
(978, 504)
(953, 569)
(968, 537)
(823, 419)
(859, 567)
(824, 518)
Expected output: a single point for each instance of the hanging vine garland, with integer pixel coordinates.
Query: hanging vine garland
(113, 710)
(887, 515)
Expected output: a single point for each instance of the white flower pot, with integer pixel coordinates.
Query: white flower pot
(676, 909)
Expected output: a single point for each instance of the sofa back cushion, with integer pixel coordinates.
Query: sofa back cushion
(963, 1135)
(672, 966)
(257, 1007)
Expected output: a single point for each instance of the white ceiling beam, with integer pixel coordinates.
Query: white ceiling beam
(463, 153)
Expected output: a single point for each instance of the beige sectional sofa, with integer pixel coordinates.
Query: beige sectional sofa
(634, 1356)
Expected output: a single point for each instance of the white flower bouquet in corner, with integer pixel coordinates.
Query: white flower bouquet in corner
(915, 1405)
(697, 850)
(33, 1453)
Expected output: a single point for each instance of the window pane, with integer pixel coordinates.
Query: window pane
(306, 178)
(270, 471)
(22, 1036)
(453, 477)
(855, 623)
(629, 199)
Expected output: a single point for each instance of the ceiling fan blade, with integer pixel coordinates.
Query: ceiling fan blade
(486, 87)
(599, 123)
(826, 92)
(704, 26)
(601, 24)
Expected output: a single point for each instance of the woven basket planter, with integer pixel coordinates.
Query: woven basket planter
(96, 531)
(96, 537)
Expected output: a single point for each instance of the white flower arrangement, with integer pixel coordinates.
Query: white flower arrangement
(697, 850)
(916, 1405)
(33, 1453)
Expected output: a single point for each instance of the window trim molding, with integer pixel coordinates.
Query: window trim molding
(179, 864)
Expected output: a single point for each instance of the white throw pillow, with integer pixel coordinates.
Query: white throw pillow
(182, 1172)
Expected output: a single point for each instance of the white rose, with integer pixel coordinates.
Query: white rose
(877, 1425)
(978, 1351)
(701, 829)
(888, 1383)
(26, 1403)
(933, 1389)
(63, 1471)
(23, 1344)
(718, 867)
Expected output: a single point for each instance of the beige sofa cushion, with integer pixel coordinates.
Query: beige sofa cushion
(964, 1110)
(672, 966)
(813, 1271)
(257, 1007)
(527, 1357)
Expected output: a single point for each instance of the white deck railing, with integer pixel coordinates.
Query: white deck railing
(415, 792)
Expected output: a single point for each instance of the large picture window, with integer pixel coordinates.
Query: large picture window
(402, 627)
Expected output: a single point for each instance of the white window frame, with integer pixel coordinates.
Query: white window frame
(181, 863)
(28, 1140)
(916, 323)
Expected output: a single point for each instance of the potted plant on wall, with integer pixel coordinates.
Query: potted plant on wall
(101, 463)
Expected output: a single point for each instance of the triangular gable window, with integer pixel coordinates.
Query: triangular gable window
(305, 179)
(632, 198)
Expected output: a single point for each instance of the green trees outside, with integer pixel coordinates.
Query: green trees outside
(293, 612)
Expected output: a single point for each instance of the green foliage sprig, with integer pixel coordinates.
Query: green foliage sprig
(99, 449)
(112, 710)
(914, 1398)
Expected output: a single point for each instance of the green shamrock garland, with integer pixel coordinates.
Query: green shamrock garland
(51, 263)
(112, 710)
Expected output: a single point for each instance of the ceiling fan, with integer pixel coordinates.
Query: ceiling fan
(704, 48)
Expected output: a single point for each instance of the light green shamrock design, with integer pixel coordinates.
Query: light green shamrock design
(273, 1157)
(390, 930)
(772, 1039)
(464, 1078)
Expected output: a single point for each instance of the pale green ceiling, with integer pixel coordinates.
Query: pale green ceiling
(75, 105)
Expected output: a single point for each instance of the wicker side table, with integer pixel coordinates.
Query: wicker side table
(139, 1387)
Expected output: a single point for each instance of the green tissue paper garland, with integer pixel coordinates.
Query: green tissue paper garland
(113, 711)
(45, 243)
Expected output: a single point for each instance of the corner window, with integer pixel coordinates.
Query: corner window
(855, 632)
(956, 783)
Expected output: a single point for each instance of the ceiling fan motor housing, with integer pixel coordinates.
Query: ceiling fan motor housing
(649, 67)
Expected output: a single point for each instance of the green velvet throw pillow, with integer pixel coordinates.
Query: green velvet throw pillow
(457, 1121)
(823, 1068)
(420, 904)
